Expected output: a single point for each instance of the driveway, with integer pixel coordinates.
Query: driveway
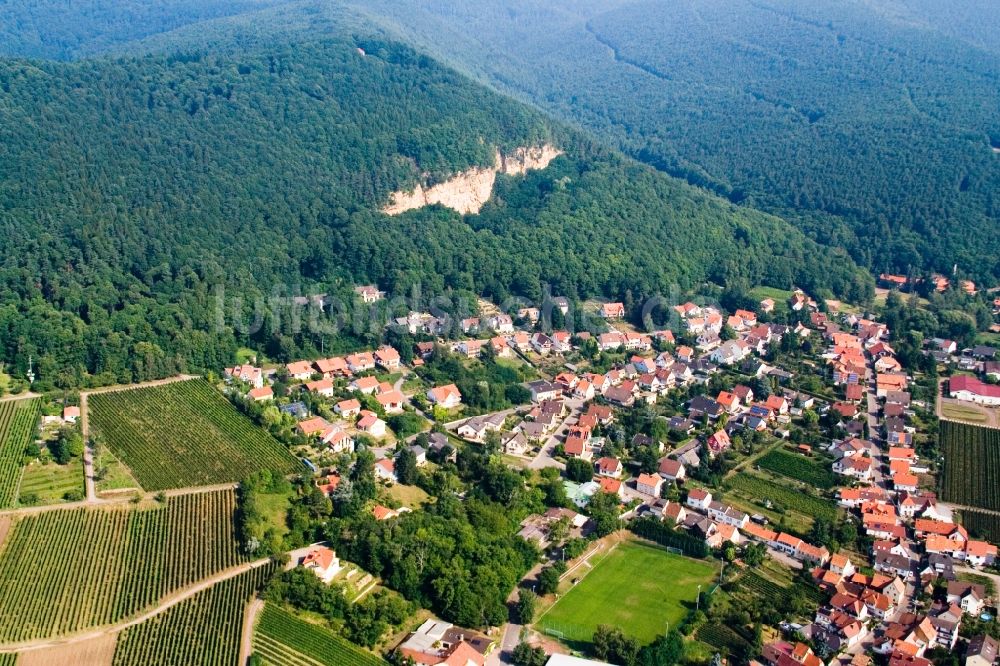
(544, 456)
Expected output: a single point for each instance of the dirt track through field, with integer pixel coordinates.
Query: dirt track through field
(99, 651)
(171, 600)
(5, 522)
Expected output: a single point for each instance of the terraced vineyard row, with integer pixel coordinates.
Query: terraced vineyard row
(982, 524)
(278, 626)
(18, 420)
(971, 465)
(184, 434)
(758, 586)
(796, 466)
(722, 637)
(205, 629)
(277, 654)
(65, 571)
(760, 490)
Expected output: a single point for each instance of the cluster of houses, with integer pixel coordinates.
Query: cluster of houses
(706, 325)
(873, 607)
(439, 643)
(915, 537)
(940, 283)
(719, 523)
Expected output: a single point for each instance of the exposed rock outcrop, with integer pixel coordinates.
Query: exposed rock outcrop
(467, 191)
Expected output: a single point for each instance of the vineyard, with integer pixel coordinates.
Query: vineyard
(205, 629)
(184, 434)
(90, 567)
(971, 465)
(723, 638)
(982, 524)
(796, 466)
(754, 586)
(761, 490)
(18, 419)
(284, 640)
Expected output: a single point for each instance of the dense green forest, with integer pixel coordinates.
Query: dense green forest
(133, 189)
(870, 126)
(63, 30)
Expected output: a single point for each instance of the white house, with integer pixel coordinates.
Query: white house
(323, 562)
(447, 396)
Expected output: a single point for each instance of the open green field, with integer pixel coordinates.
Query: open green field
(412, 497)
(205, 629)
(69, 570)
(184, 434)
(971, 465)
(950, 410)
(18, 421)
(637, 586)
(282, 639)
(112, 475)
(780, 296)
(52, 483)
(798, 467)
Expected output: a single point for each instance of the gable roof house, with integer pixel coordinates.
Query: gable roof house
(731, 352)
(392, 401)
(982, 651)
(347, 408)
(366, 385)
(718, 442)
(447, 396)
(608, 466)
(323, 562)
(649, 484)
(475, 428)
(701, 405)
(300, 370)
(970, 597)
(323, 387)
(671, 470)
(246, 373)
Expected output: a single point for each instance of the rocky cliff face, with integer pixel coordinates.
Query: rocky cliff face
(467, 191)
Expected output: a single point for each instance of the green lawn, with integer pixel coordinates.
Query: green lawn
(780, 296)
(116, 476)
(637, 586)
(49, 483)
(412, 497)
(950, 410)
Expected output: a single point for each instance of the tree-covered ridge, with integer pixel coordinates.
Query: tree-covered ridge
(871, 128)
(131, 189)
(61, 30)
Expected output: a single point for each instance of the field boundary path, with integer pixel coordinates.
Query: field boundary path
(88, 450)
(20, 396)
(165, 604)
(253, 609)
(124, 499)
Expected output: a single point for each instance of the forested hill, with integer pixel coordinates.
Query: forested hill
(58, 29)
(869, 124)
(130, 189)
